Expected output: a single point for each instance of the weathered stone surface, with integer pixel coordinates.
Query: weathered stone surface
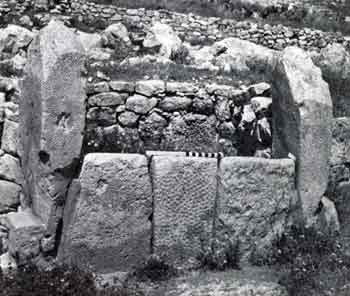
(52, 119)
(151, 130)
(256, 197)
(303, 124)
(181, 87)
(116, 33)
(104, 116)
(340, 153)
(128, 119)
(106, 99)
(327, 220)
(90, 40)
(246, 282)
(13, 38)
(192, 132)
(163, 35)
(9, 196)
(171, 104)
(140, 104)
(10, 169)
(25, 232)
(184, 190)
(122, 86)
(334, 61)
(121, 139)
(7, 262)
(150, 87)
(110, 228)
(9, 140)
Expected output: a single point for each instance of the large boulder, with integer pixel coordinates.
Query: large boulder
(13, 38)
(334, 61)
(303, 124)
(236, 56)
(163, 36)
(256, 197)
(52, 119)
(109, 227)
(184, 190)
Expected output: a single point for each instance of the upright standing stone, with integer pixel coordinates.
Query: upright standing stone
(109, 227)
(302, 109)
(52, 119)
(184, 191)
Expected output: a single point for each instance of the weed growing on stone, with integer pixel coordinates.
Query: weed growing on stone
(220, 254)
(155, 269)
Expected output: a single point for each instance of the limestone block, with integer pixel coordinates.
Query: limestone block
(109, 225)
(25, 232)
(256, 196)
(9, 140)
(184, 200)
(303, 124)
(9, 196)
(10, 169)
(52, 118)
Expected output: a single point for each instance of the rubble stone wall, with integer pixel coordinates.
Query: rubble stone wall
(171, 116)
(192, 28)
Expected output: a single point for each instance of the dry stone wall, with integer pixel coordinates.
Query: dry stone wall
(192, 28)
(172, 116)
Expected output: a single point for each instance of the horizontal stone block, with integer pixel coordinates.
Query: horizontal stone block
(184, 191)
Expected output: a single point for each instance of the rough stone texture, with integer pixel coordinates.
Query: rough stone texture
(303, 124)
(25, 232)
(13, 38)
(184, 190)
(110, 228)
(150, 87)
(151, 130)
(9, 196)
(192, 132)
(246, 282)
(7, 262)
(256, 198)
(162, 35)
(327, 220)
(106, 99)
(52, 119)
(140, 104)
(9, 139)
(334, 61)
(10, 169)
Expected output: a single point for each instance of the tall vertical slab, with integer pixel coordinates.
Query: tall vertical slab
(108, 227)
(302, 114)
(184, 190)
(52, 119)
